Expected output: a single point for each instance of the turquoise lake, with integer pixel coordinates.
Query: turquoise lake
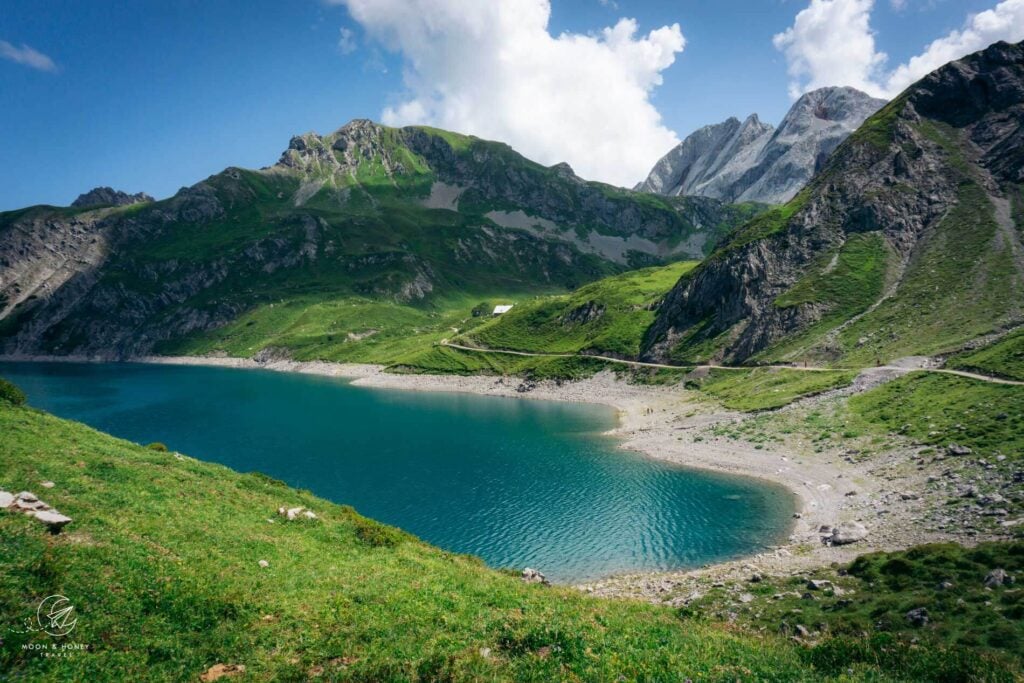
(516, 482)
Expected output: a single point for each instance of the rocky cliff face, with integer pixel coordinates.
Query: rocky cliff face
(752, 161)
(908, 241)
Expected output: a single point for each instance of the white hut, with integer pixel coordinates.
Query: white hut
(498, 310)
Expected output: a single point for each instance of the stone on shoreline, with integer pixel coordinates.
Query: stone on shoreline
(846, 533)
(534, 576)
(998, 577)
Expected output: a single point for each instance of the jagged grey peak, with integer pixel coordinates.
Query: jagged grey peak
(753, 161)
(695, 163)
(108, 196)
(951, 140)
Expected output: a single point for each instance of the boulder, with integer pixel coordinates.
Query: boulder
(292, 514)
(819, 584)
(6, 499)
(998, 577)
(957, 449)
(918, 617)
(534, 576)
(846, 533)
(263, 563)
(52, 519)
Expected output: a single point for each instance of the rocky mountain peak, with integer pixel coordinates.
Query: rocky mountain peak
(108, 196)
(342, 151)
(906, 242)
(752, 161)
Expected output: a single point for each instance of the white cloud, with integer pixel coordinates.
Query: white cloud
(346, 41)
(1005, 21)
(27, 56)
(831, 43)
(494, 70)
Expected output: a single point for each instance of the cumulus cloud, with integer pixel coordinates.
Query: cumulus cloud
(1005, 21)
(831, 43)
(27, 55)
(493, 69)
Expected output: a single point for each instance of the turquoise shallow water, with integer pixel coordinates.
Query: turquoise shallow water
(519, 483)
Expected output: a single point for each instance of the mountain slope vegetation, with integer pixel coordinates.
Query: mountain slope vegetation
(401, 221)
(907, 243)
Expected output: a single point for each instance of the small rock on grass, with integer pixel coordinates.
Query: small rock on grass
(219, 671)
(52, 519)
(998, 577)
(534, 576)
(264, 563)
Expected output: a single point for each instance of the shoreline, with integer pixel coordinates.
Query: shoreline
(662, 423)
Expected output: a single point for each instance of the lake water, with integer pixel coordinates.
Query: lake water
(518, 483)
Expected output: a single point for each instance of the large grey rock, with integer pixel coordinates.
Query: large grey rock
(998, 577)
(752, 161)
(847, 532)
(534, 576)
(6, 499)
(53, 519)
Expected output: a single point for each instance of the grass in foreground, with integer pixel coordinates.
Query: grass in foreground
(161, 563)
(768, 388)
(869, 600)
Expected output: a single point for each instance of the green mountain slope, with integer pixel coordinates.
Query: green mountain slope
(909, 242)
(405, 223)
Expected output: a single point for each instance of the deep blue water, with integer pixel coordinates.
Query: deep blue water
(519, 483)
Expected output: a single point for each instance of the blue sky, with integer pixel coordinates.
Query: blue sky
(150, 96)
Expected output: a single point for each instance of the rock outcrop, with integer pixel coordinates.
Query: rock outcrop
(29, 504)
(753, 161)
(108, 196)
(920, 194)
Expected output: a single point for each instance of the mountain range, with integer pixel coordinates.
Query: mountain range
(369, 213)
(753, 161)
(908, 242)
(371, 244)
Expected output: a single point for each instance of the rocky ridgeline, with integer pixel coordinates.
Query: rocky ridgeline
(899, 177)
(751, 161)
(108, 196)
(29, 504)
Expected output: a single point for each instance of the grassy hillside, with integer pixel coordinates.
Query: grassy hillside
(942, 409)
(1004, 358)
(608, 317)
(162, 565)
(768, 388)
(868, 600)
